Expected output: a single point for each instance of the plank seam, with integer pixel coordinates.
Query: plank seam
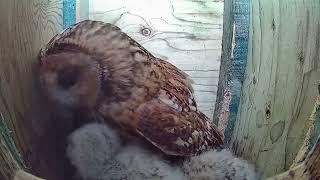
(241, 11)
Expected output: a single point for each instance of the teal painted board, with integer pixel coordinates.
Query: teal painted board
(69, 13)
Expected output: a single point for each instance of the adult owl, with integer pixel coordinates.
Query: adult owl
(93, 68)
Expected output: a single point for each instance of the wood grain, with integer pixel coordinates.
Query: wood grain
(185, 33)
(313, 125)
(22, 175)
(222, 106)
(26, 26)
(280, 86)
(8, 164)
(309, 167)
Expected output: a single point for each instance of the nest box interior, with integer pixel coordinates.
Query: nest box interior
(255, 64)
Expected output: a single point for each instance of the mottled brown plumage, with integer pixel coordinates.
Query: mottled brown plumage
(95, 68)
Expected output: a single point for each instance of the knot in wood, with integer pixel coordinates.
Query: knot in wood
(146, 31)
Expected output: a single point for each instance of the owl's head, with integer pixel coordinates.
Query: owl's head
(70, 79)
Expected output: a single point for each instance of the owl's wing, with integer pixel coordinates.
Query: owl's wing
(175, 132)
(171, 120)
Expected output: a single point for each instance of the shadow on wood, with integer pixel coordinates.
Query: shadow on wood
(25, 27)
(309, 168)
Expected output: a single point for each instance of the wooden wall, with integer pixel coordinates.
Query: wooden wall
(307, 163)
(26, 26)
(280, 85)
(185, 33)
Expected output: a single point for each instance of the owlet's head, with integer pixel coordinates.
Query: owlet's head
(70, 79)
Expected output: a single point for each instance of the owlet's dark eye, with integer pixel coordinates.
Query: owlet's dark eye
(68, 77)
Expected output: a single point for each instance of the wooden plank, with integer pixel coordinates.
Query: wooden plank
(8, 164)
(309, 167)
(233, 65)
(22, 175)
(25, 27)
(185, 33)
(279, 89)
(221, 111)
(313, 125)
(82, 10)
(69, 12)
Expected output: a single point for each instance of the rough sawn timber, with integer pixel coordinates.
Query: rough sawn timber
(280, 84)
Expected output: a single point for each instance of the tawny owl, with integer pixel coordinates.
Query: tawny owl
(94, 69)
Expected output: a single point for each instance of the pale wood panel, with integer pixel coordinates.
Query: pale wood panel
(22, 175)
(185, 33)
(307, 165)
(313, 132)
(280, 85)
(25, 27)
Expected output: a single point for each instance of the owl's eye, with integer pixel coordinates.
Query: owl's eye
(68, 77)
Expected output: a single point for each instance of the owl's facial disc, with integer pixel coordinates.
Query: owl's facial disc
(68, 77)
(71, 79)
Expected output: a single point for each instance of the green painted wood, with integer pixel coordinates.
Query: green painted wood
(280, 83)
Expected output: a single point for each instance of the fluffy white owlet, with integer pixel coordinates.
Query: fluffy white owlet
(97, 154)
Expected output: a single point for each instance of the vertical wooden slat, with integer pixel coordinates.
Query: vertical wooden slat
(26, 25)
(221, 109)
(280, 82)
(311, 135)
(69, 12)
(308, 169)
(8, 164)
(233, 65)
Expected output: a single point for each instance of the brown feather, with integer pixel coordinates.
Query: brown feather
(142, 94)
